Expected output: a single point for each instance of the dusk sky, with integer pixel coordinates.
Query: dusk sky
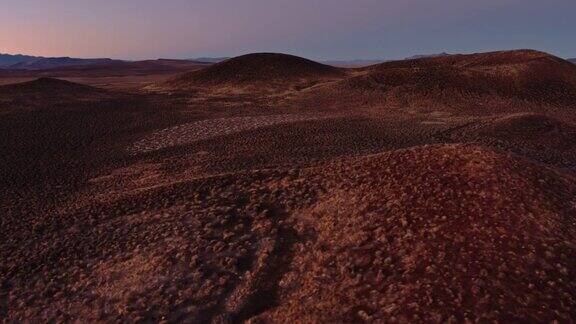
(317, 29)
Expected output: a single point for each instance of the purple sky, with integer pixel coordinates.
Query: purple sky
(318, 29)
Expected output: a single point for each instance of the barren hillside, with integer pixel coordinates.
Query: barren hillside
(261, 70)
(487, 83)
(270, 188)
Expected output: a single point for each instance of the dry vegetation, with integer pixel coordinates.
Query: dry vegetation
(478, 84)
(270, 188)
(206, 129)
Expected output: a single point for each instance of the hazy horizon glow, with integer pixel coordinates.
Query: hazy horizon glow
(317, 29)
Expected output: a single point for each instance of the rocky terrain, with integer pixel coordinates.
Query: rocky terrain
(270, 188)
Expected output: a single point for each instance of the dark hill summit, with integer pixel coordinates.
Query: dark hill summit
(261, 69)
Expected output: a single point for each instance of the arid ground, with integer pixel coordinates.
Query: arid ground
(271, 188)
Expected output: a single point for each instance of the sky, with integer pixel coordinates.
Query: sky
(317, 29)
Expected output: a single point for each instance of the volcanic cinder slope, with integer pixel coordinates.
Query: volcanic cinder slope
(471, 84)
(270, 188)
(257, 72)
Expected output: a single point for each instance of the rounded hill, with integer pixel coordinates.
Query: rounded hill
(47, 91)
(46, 85)
(434, 234)
(255, 70)
(479, 83)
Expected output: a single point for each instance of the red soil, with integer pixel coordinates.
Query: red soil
(432, 190)
(466, 234)
(478, 83)
(429, 234)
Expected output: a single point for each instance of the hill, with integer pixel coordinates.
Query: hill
(572, 60)
(54, 131)
(46, 92)
(433, 190)
(261, 70)
(427, 234)
(46, 86)
(478, 83)
(433, 234)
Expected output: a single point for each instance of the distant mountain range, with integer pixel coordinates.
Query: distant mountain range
(24, 65)
(572, 60)
(362, 63)
(352, 63)
(56, 62)
(26, 62)
(7, 60)
(210, 59)
(416, 57)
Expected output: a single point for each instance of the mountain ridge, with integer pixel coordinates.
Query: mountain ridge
(7, 60)
(29, 62)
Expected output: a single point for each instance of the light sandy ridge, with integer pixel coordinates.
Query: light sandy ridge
(207, 129)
